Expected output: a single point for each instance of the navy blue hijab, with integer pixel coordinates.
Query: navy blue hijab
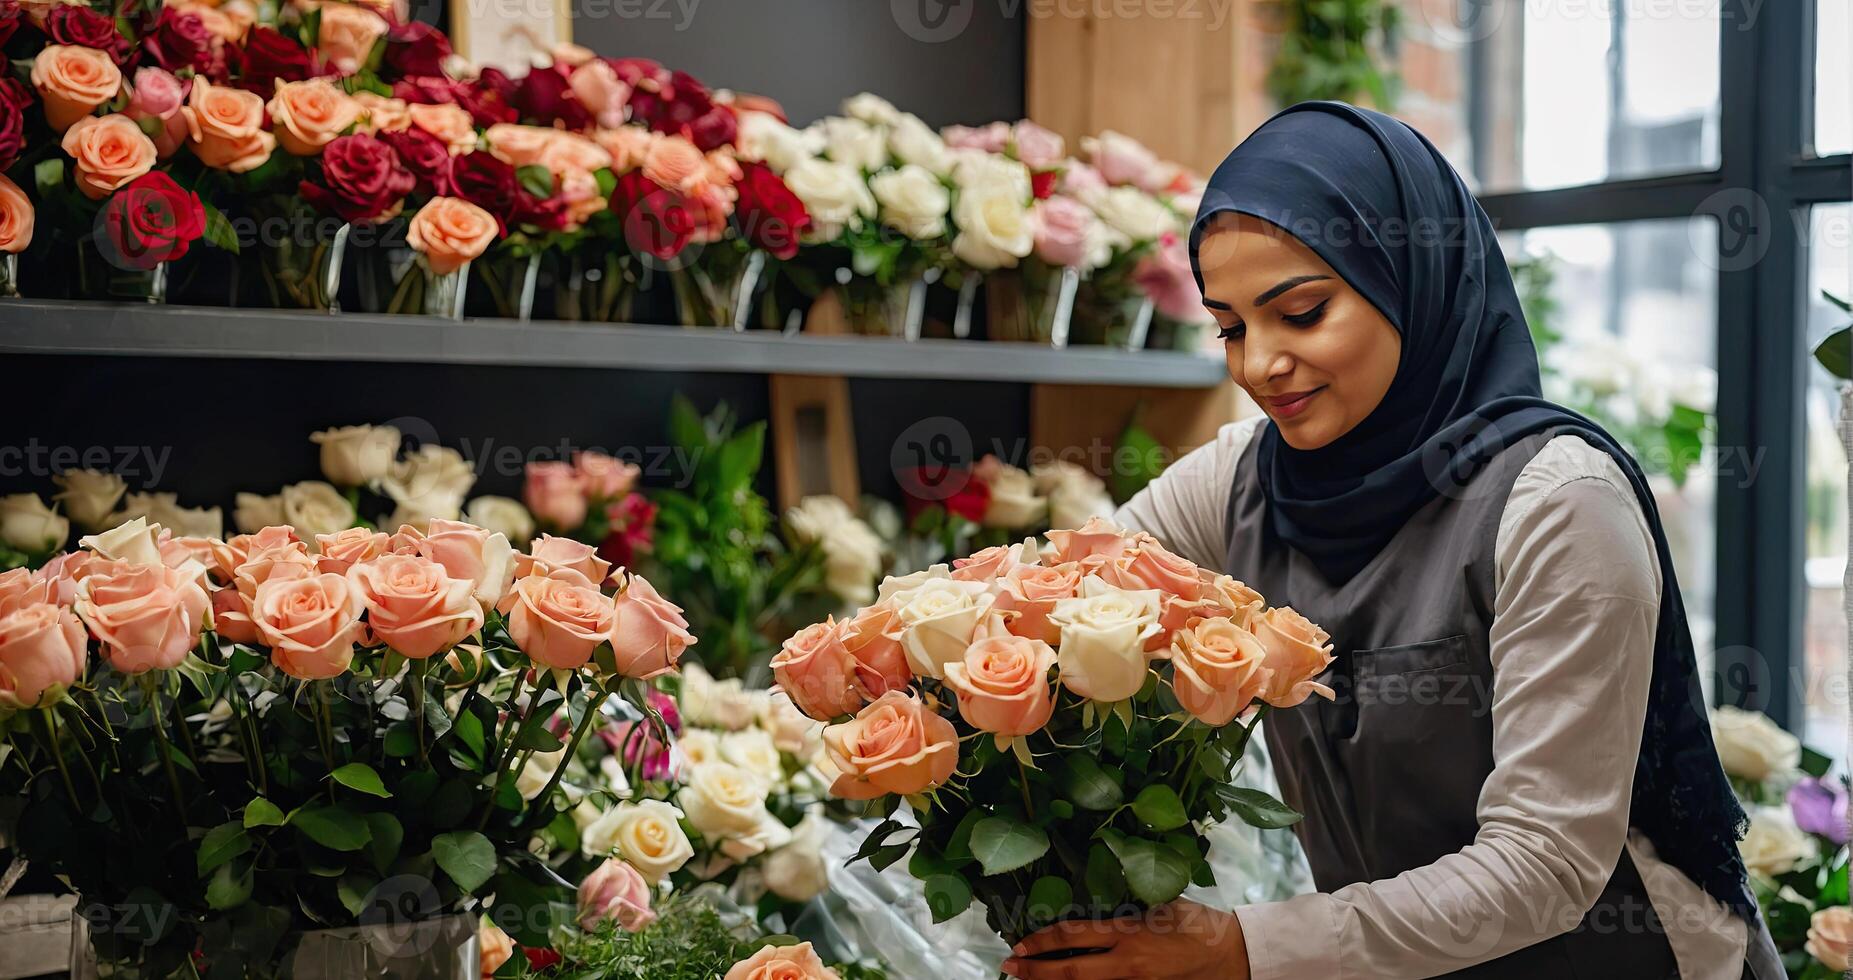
(1386, 211)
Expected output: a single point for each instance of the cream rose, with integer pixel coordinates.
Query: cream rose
(796, 872)
(1014, 502)
(1773, 845)
(792, 731)
(357, 455)
(88, 496)
(938, 619)
(753, 750)
(853, 143)
(1751, 746)
(431, 469)
(1104, 633)
(1297, 651)
(723, 800)
(313, 507)
(871, 108)
(995, 229)
(252, 512)
(912, 201)
(29, 526)
(1830, 937)
(1135, 214)
(852, 550)
(164, 509)
(502, 515)
(699, 745)
(765, 137)
(834, 194)
(915, 143)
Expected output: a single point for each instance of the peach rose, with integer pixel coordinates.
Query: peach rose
(1236, 600)
(894, 745)
(548, 553)
(648, 632)
(347, 35)
(177, 550)
(73, 81)
(517, 145)
(570, 153)
(604, 477)
(497, 948)
(16, 217)
(1154, 567)
(109, 152)
(628, 146)
(450, 232)
(1830, 937)
(415, 607)
(798, 962)
(231, 554)
(476, 555)
(382, 114)
(615, 891)
(1220, 669)
(346, 548)
(310, 624)
(60, 577)
(451, 124)
(990, 563)
(1031, 592)
(231, 617)
(1003, 684)
(308, 115)
(555, 494)
(817, 672)
(147, 616)
(22, 587)
(675, 163)
(1094, 544)
(873, 637)
(602, 92)
(41, 654)
(1297, 651)
(558, 620)
(226, 126)
(228, 23)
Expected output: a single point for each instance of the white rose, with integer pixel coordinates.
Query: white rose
(913, 201)
(420, 511)
(498, 571)
(792, 731)
(894, 584)
(313, 507)
(1071, 505)
(431, 470)
(1104, 630)
(649, 836)
(853, 143)
(939, 617)
(1751, 746)
(164, 509)
(995, 229)
(770, 834)
(699, 745)
(766, 138)
(502, 514)
(356, 455)
(723, 800)
(725, 704)
(814, 516)
(871, 108)
(852, 559)
(1696, 386)
(30, 526)
(1773, 845)
(1134, 213)
(538, 771)
(1014, 502)
(136, 542)
(752, 749)
(912, 141)
(253, 512)
(598, 830)
(834, 194)
(990, 173)
(89, 496)
(796, 872)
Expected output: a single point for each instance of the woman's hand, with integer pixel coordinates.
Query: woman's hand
(1179, 941)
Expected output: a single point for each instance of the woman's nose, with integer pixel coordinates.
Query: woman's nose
(1262, 362)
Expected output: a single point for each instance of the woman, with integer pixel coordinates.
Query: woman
(1514, 777)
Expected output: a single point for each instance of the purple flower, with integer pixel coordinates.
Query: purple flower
(1820, 808)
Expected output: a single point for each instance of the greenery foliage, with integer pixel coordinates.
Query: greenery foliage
(1331, 49)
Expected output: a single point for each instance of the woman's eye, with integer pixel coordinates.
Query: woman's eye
(1233, 331)
(1307, 318)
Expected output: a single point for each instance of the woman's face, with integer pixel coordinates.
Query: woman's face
(1311, 351)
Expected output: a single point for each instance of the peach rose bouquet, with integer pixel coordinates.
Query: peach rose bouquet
(1062, 722)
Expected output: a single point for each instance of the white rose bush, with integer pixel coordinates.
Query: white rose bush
(1060, 722)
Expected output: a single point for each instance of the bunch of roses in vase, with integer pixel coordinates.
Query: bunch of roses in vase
(1062, 723)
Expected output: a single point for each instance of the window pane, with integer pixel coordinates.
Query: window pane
(1833, 81)
(1579, 93)
(1824, 640)
(1625, 316)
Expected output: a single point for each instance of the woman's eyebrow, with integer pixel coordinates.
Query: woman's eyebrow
(1284, 285)
(1216, 304)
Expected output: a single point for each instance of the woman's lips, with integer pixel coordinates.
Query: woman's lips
(1288, 406)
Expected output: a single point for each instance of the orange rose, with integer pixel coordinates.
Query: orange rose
(648, 632)
(346, 548)
(547, 554)
(1220, 669)
(228, 23)
(1031, 592)
(628, 146)
(380, 114)
(41, 654)
(516, 145)
(1156, 568)
(147, 616)
(451, 124)
(990, 563)
(1236, 600)
(497, 948)
(476, 555)
(675, 163)
(16, 216)
(1830, 937)
(1003, 684)
(604, 477)
(414, 606)
(60, 577)
(230, 554)
(73, 81)
(1094, 544)
(109, 152)
(817, 672)
(307, 115)
(226, 126)
(450, 232)
(571, 153)
(310, 624)
(558, 620)
(798, 962)
(894, 745)
(347, 35)
(22, 587)
(1297, 651)
(873, 637)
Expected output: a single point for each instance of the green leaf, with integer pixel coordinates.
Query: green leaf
(230, 886)
(386, 836)
(334, 827)
(1155, 873)
(466, 856)
(886, 855)
(353, 890)
(959, 845)
(535, 179)
(360, 777)
(401, 742)
(1814, 763)
(221, 844)
(466, 749)
(947, 895)
(1089, 786)
(533, 733)
(1049, 897)
(1158, 807)
(1105, 882)
(1003, 844)
(1256, 808)
(48, 174)
(263, 813)
(219, 230)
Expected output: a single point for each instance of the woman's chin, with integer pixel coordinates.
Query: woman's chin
(1307, 431)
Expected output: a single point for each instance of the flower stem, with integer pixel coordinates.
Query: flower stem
(593, 710)
(166, 747)
(50, 720)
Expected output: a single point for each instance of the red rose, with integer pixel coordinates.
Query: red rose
(423, 154)
(539, 957)
(12, 130)
(180, 40)
(545, 97)
(674, 107)
(9, 19)
(415, 48)
(72, 24)
(953, 488)
(15, 93)
(150, 221)
(769, 214)
(1042, 183)
(715, 129)
(636, 72)
(362, 180)
(657, 221)
(268, 57)
(633, 525)
(481, 179)
(427, 90)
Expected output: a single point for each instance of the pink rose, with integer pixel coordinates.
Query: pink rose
(1124, 160)
(986, 564)
(1038, 148)
(614, 890)
(798, 962)
(60, 575)
(1220, 670)
(310, 624)
(344, 549)
(147, 616)
(1081, 181)
(517, 145)
(558, 620)
(22, 587)
(1031, 591)
(41, 654)
(155, 94)
(1297, 651)
(233, 552)
(1003, 684)
(648, 632)
(1093, 545)
(476, 555)
(413, 606)
(604, 477)
(451, 124)
(894, 745)
(347, 35)
(602, 92)
(1153, 567)
(177, 551)
(1165, 276)
(1065, 232)
(873, 637)
(1830, 937)
(547, 554)
(817, 672)
(991, 137)
(231, 617)
(555, 494)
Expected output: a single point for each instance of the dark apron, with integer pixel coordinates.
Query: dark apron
(1389, 774)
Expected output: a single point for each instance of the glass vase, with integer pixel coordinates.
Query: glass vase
(103, 273)
(1115, 320)
(395, 279)
(306, 275)
(9, 275)
(872, 309)
(1031, 304)
(505, 285)
(718, 288)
